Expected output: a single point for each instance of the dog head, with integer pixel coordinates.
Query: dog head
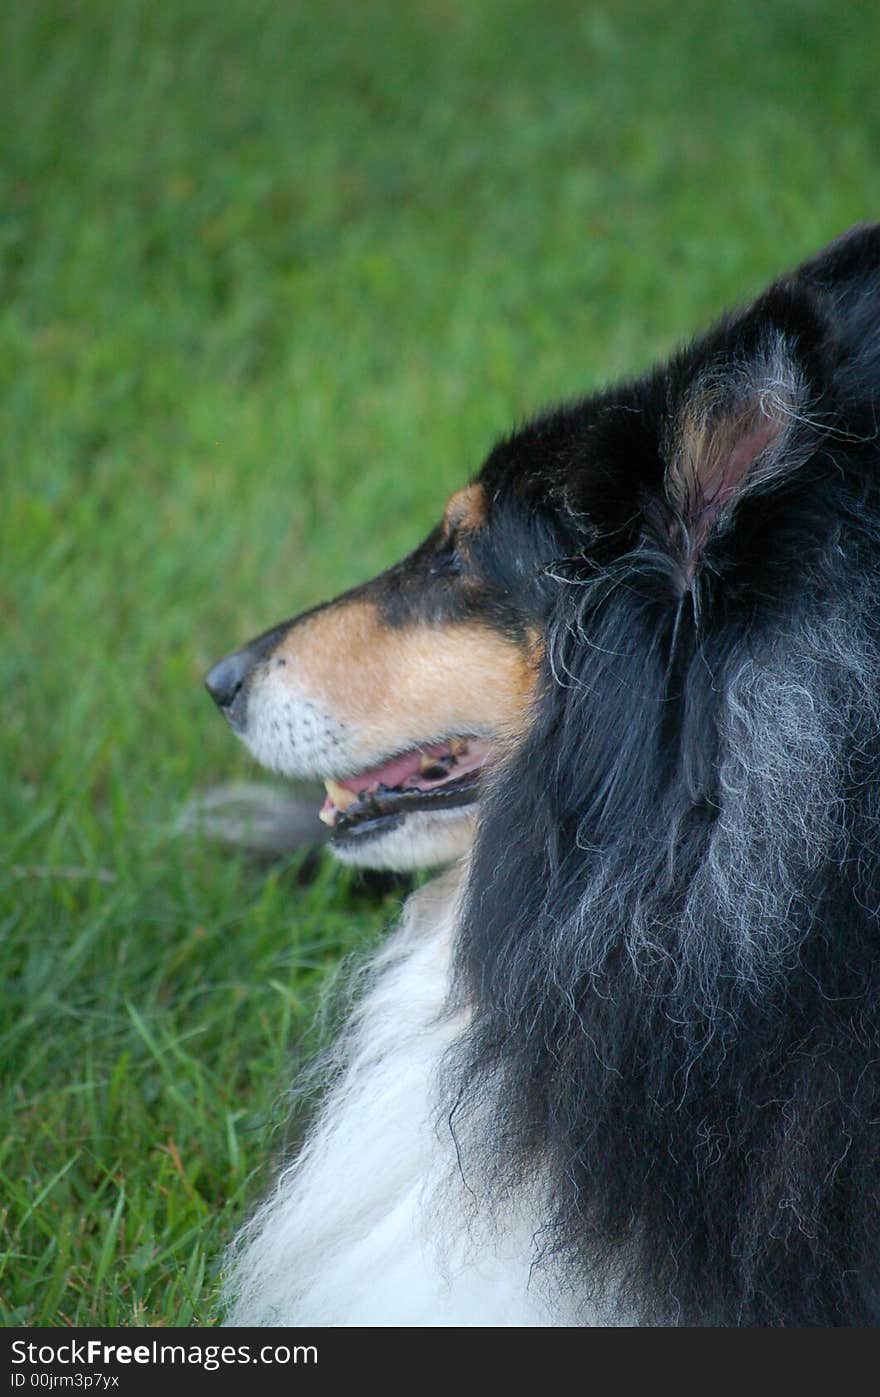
(405, 693)
(398, 693)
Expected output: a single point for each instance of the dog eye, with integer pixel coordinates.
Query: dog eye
(449, 562)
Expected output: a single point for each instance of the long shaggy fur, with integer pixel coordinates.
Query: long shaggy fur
(679, 982)
(672, 937)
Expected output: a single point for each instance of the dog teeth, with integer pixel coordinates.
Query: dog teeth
(341, 796)
(458, 746)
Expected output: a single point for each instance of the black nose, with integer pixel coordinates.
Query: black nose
(227, 681)
(224, 682)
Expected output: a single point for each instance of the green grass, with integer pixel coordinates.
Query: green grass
(273, 277)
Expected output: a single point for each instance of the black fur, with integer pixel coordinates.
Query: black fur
(671, 936)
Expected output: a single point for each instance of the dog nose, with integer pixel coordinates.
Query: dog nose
(225, 679)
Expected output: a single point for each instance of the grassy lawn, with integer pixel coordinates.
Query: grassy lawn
(274, 275)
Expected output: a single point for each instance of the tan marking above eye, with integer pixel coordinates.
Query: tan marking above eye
(466, 509)
(401, 686)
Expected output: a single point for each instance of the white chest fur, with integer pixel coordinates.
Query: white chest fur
(372, 1224)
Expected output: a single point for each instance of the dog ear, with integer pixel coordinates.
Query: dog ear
(748, 416)
(847, 269)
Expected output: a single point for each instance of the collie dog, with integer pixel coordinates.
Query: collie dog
(620, 1061)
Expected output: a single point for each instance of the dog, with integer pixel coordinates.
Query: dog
(620, 1062)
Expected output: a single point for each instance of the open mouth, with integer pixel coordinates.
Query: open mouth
(439, 776)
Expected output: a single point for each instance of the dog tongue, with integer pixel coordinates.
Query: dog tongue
(395, 772)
